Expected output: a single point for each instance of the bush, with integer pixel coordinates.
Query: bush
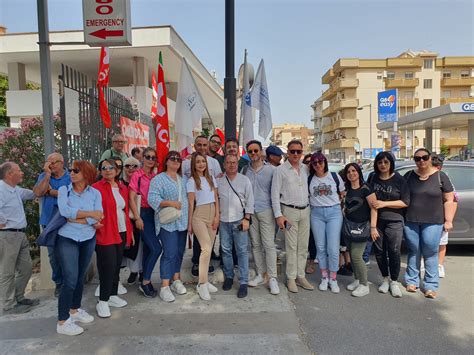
(25, 146)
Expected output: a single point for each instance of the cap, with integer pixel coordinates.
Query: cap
(273, 150)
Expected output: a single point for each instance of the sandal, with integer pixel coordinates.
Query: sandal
(430, 294)
(411, 288)
(310, 267)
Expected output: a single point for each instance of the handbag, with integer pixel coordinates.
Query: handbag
(170, 214)
(48, 236)
(355, 231)
(138, 201)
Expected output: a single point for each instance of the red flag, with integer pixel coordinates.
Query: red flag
(161, 119)
(102, 82)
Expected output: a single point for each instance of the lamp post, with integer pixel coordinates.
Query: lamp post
(370, 124)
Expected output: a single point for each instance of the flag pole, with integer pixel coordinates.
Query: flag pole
(242, 98)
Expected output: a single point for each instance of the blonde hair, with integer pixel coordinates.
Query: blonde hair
(195, 174)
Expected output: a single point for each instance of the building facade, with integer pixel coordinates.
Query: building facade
(283, 134)
(319, 121)
(423, 81)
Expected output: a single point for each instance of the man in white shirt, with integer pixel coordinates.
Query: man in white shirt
(290, 202)
(15, 260)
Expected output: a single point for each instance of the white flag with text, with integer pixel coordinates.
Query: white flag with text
(260, 99)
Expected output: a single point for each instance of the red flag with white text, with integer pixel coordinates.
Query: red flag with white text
(161, 119)
(103, 82)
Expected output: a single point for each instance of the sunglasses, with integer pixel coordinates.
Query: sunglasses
(306, 162)
(175, 158)
(107, 168)
(424, 158)
(150, 157)
(296, 151)
(385, 162)
(316, 162)
(255, 151)
(129, 166)
(215, 142)
(74, 170)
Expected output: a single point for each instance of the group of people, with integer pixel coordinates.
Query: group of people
(131, 215)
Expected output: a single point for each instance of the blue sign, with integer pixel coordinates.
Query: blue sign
(468, 107)
(367, 154)
(387, 103)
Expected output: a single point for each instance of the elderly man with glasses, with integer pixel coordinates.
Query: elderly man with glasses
(117, 150)
(54, 176)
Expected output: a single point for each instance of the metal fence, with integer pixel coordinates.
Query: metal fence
(94, 138)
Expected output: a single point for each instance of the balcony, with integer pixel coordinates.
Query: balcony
(340, 125)
(401, 83)
(341, 143)
(328, 94)
(404, 62)
(455, 100)
(452, 82)
(453, 142)
(408, 102)
(340, 105)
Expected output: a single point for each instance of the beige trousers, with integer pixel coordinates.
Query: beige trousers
(202, 227)
(262, 237)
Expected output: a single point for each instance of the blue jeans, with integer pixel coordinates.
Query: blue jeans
(367, 251)
(422, 240)
(230, 234)
(151, 244)
(326, 225)
(74, 258)
(56, 273)
(174, 244)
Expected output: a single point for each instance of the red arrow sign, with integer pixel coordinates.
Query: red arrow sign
(103, 33)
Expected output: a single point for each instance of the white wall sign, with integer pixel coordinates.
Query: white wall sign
(107, 23)
(71, 98)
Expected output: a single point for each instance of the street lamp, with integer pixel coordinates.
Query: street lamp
(370, 123)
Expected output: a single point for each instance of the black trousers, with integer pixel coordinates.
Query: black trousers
(387, 247)
(109, 260)
(311, 247)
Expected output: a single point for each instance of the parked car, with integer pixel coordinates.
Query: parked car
(461, 174)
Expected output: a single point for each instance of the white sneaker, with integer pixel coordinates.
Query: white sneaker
(258, 280)
(178, 287)
(203, 292)
(395, 289)
(69, 328)
(211, 288)
(361, 291)
(353, 285)
(121, 290)
(441, 271)
(334, 286)
(81, 316)
(116, 301)
(274, 288)
(166, 294)
(103, 310)
(323, 286)
(97, 291)
(384, 286)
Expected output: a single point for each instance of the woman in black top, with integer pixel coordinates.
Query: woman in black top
(393, 197)
(431, 209)
(357, 209)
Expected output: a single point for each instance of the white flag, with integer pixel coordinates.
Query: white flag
(189, 108)
(260, 99)
(246, 110)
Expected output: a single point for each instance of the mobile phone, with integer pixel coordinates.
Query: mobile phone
(288, 225)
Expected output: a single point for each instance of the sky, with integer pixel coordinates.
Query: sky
(299, 40)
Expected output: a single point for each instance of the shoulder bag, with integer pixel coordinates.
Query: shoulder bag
(355, 231)
(170, 214)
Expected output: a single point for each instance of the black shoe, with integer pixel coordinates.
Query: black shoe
(132, 278)
(211, 269)
(18, 309)
(148, 290)
(344, 271)
(29, 302)
(57, 291)
(242, 291)
(227, 284)
(214, 256)
(140, 277)
(195, 270)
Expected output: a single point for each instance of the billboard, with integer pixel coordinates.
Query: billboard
(368, 153)
(388, 106)
(396, 140)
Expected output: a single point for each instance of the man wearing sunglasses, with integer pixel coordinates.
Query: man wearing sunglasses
(215, 144)
(290, 202)
(49, 181)
(117, 150)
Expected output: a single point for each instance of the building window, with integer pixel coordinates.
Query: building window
(390, 75)
(428, 64)
(446, 94)
(427, 103)
(464, 73)
(408, 94)
(409, 75)
(379, 75)
(465, 93)
(446, 74)
(427, 83)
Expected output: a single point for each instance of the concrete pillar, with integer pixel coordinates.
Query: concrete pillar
(16, 76)
(140, 71)
(429, 139)
(470, 132)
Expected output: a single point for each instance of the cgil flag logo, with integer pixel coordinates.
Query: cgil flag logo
(387, 101)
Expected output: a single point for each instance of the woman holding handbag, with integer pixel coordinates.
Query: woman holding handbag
(113, 237)
(144, 217)
(167, 196)
(360, 221)
(203, 217)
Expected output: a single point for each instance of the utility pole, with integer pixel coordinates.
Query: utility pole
(230, 119)
(46, 86)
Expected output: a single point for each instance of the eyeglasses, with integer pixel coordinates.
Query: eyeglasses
(122, 142)
(316, 162)
(150, 157)
(175, 158)
(424, 158)
(201, 144)
(107, 168)
(386, 162)
(215, 142)
(55, 162)
(254, 151)
(296, 151)
(130, 166)
(73, 170)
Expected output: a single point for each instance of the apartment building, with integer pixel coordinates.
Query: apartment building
(319, 122)
(423, 81)
(283, 134)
